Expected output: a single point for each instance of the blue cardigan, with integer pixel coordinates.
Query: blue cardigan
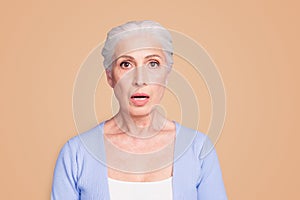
(80, 172)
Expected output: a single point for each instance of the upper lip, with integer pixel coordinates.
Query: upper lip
(138, 94)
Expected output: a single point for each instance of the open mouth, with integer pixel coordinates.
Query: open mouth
(140, 97)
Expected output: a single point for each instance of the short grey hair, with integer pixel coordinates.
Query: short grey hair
(132, 28)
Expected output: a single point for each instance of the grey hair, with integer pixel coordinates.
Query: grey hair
(116, 34)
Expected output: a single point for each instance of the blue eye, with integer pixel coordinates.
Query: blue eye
(153, 64)
(125, 65)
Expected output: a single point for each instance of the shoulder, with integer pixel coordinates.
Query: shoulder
(83, 141)
(194, 140)
(185, 133)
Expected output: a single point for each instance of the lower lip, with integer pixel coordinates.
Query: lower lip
(139, 102)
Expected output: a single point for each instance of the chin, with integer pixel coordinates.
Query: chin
(139, 111)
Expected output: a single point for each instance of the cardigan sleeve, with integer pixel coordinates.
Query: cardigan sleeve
(64, 185)
(211, 186)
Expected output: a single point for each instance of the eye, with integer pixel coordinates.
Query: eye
(125, 65)
(153, 64)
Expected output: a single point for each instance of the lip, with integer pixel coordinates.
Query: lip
(139, 99)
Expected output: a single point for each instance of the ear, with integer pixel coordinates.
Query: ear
(109, 77)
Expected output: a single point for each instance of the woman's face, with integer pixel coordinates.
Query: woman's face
(138, 78)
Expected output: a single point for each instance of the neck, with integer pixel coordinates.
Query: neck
(140, 125)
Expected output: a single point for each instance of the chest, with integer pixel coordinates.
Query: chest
(139, 161)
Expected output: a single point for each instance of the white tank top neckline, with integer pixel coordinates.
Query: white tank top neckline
(158, 190)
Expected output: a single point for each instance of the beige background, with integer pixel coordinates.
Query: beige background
(255, 45)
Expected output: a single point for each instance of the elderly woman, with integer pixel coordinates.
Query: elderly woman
(138, 153)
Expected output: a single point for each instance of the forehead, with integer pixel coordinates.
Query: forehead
(143, 54)
(138, 45)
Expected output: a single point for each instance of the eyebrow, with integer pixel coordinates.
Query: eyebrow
(153, 55)
(125, 56)
(130, 57)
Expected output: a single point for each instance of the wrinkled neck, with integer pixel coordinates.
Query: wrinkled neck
(141, 126)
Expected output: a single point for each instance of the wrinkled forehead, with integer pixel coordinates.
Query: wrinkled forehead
(136, 42)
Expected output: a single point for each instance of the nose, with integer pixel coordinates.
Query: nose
(140, 76)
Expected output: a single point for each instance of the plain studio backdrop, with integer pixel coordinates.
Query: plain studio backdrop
(255, 45)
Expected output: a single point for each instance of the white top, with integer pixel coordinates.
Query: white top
(157, 190)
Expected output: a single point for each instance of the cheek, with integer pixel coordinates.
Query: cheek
(119, 75)
(159, 78)
(158, 92)
(116, 77)
(121, 87)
